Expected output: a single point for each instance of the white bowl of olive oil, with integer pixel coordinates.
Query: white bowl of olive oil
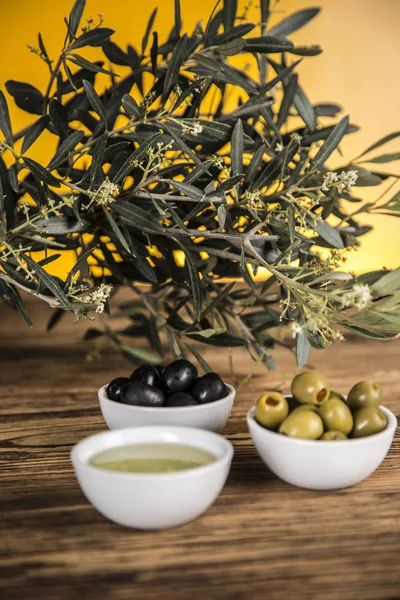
(211, 416)
(152, 477)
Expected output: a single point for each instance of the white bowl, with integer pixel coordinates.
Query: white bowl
(152, 500)
(322, 465)
(212, 416)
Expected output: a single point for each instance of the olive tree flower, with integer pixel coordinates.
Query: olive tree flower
(359, 297)
(99, 297)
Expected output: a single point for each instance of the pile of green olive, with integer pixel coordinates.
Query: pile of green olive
(315, 412)
(175, 385)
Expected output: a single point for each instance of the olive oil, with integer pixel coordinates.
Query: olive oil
(152, 458)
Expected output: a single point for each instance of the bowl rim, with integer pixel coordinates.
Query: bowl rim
(227, 455)
(389, 431)
(171, 409)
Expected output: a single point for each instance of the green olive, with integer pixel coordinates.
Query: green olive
(336, 416)
(310, 388)
(333, 436)
(364, 393)
(271, 409)
(368, 421)
(337, 395)
(303, 407)
(306, 425)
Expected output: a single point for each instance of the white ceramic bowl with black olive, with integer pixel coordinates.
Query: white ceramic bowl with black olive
(130, 409)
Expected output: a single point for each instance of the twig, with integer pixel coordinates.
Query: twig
(238, 238)
(220, 253)
(207, 199)
(289, 282)
(54, 303)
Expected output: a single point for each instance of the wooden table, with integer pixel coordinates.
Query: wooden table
(261, 539)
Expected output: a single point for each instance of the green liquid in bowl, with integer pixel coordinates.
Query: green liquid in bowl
(152, 458)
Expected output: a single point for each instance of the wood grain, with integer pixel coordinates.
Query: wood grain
(262, 539)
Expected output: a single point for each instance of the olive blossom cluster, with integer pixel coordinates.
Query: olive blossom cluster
(317, 324)
(341, 181)
(16, 255)
(253, 199)
(194, 129)
(359, 297)
(99, 297)
(105, 194)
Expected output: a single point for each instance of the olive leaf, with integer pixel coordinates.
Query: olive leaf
(116, 230)
(303, 348)
(115, 54)
(268, 44)
(388, 284)
(49, 281)
(10, 296)
(313, 50)
(34, 132)
(137, 216)
(3, 214)
(187, 189)
(237, 148)
(41, 173)
(90, 66)
(59, 118)
(79, 265)
(76, 16)
(265, 11)
(305, 108)
(95, 100)
(288, 99)
(131, 106)
(174, 65)
(98, 158)
(384, 158)
(178, 19)
(381, 142)
(294, 22)
(5, 123)
(148, 30)
(233, 34)
(94, 37)
(26, 96)
(65, 147)
(221, 216)
(194, 279)
(331, 143)
(231, 48)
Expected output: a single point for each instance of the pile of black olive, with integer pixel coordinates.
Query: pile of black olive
(175, 385)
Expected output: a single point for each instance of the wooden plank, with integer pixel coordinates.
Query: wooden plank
(261, 539)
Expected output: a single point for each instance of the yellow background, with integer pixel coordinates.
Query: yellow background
(358, 69)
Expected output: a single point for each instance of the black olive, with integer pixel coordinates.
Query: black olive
(145, 374)
(163, 387)
(159, 369)
(208, 388)
(142, 394)
(181, 399)
(179, 375)
(115, 387)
